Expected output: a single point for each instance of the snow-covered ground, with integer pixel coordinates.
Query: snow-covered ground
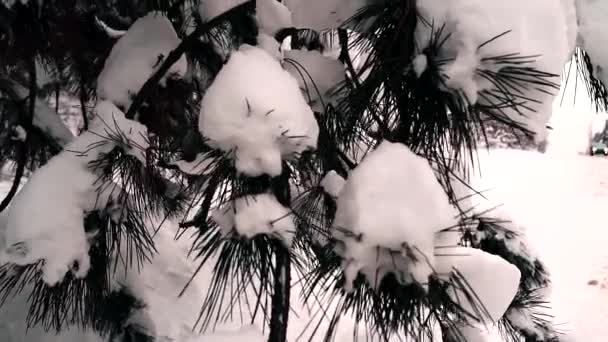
(562, 200)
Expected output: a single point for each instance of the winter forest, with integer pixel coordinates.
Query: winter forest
(267, 170)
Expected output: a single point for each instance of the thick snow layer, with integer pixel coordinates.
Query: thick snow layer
(255, 109)
(255, 215)
(321, 15)
(494, 281)
(272, 16)
(393, 200)
(52, 230)
(210, 9)
(543, 29)
(318, 76)
(592, 16)
(135, 58)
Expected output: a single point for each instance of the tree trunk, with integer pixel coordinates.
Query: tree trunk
(280, 296)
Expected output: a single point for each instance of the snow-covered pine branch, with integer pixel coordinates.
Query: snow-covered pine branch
(46, 219)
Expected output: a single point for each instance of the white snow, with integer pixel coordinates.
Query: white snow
(45, 219)
(256, 215)
(272, 16)
(255, 109)
(592, 27)
(492, 279)
(136, 56)
(391, 207)
(333, 183)
(318, 76)
(537, 28)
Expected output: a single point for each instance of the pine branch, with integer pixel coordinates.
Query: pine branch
(280, 296)
(83, 107)
(279, 316)
(23, 146)
(176, 54)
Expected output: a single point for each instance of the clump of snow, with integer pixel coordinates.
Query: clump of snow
(255, 215)
(45, 220)
(592, 27)
(272, 16)
(391, 206)
(255, 110)
(317, 75)
(136, 56)
(333, 183)
(493, 280)
(210, 9)
(536, 28)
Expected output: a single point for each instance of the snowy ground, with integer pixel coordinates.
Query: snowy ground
(562, 200)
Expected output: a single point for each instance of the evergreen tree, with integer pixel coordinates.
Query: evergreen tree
(317, 150)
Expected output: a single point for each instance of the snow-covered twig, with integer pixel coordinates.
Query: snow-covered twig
(23, 145)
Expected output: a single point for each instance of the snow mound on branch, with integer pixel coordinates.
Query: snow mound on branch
(135, 58)
(317, 75)
(493, 280)
(272, 16)
(256, 215)
(540, 29)
(45, 220)
(392, 200)
(592, 34)
(255, 109)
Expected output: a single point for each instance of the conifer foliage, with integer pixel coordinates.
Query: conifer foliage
(318, 151)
